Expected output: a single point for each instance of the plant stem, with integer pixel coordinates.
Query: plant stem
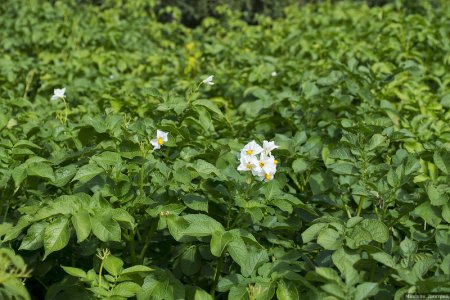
(141, 178)
(148, 238)
(360, 204)
(100, 274)
(132, 248)
(217, 275)
(6, 211)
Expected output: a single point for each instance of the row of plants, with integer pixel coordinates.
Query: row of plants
(123, 163)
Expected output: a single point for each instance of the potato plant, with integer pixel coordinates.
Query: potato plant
(123, 162)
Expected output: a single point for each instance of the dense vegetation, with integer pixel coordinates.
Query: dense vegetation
(356, 98)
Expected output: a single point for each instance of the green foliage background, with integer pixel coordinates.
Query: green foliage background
(358, 209)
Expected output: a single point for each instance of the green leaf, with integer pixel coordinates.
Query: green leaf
(312, 232)
(423, 266)
(136, 269)
(377, 229)
(123, 217)
(81, 222)
(56, 236)
(344, 168)
(219, 241)
(345, 260)
(384, 258)
(430, 214)
(113, 265)
(126, 289)
(19, 174)
(320, 182)
(195, 202)
(196, 293)
(377, 140)
(205, 169)
(256, 257)
(328, 274)
(190, 262)
(238, 251)
(74, 272)
(408, 247)
(329, 239)
(87, 172)
(442, 161)
(300, 165)
(14, 286)
(64, 175)
(366, 290)
(201, 225)
(209, 105)
(34, 238)
(161, 285)
(177, 226)
(238, 293)
(437, 195)
(41, 169)
(105, 228)
(286, 290)
(106, 159)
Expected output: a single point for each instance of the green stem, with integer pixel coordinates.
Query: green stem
(141, 178)
(217, 275)
(100, 274)
(6, 211)
(132, 248)
(148, 239)
(349, 215)
(66, 110)
(220, 261)
(361, 202)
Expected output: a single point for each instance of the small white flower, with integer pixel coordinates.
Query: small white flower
(249, 163)
(267, 164)
(209, 80)
(251, 149)
(268, 147)
(268, 169)
(274, 74)
(265, 176)
(58, 94)
(161, 138)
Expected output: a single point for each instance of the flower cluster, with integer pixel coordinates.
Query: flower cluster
(263, 167)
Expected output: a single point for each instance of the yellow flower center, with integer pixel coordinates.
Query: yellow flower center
(249, 152)
(261, 164)
(249, 166)
(160, 141)
(267, 176)
(275, 161)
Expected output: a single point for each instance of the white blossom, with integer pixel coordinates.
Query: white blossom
(268, 147)
(209, 80)
(58, 94)
(251, 149)
(161, 138)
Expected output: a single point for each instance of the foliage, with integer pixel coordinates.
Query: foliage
(356, 98)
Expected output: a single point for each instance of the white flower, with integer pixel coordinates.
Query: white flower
(58, 94)
(265, 176)
(268, 147)
(251, 149)
(267, 163)
(268, 169)
(274, 74)
(209, 80)
(161, 138)
(249, 163)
